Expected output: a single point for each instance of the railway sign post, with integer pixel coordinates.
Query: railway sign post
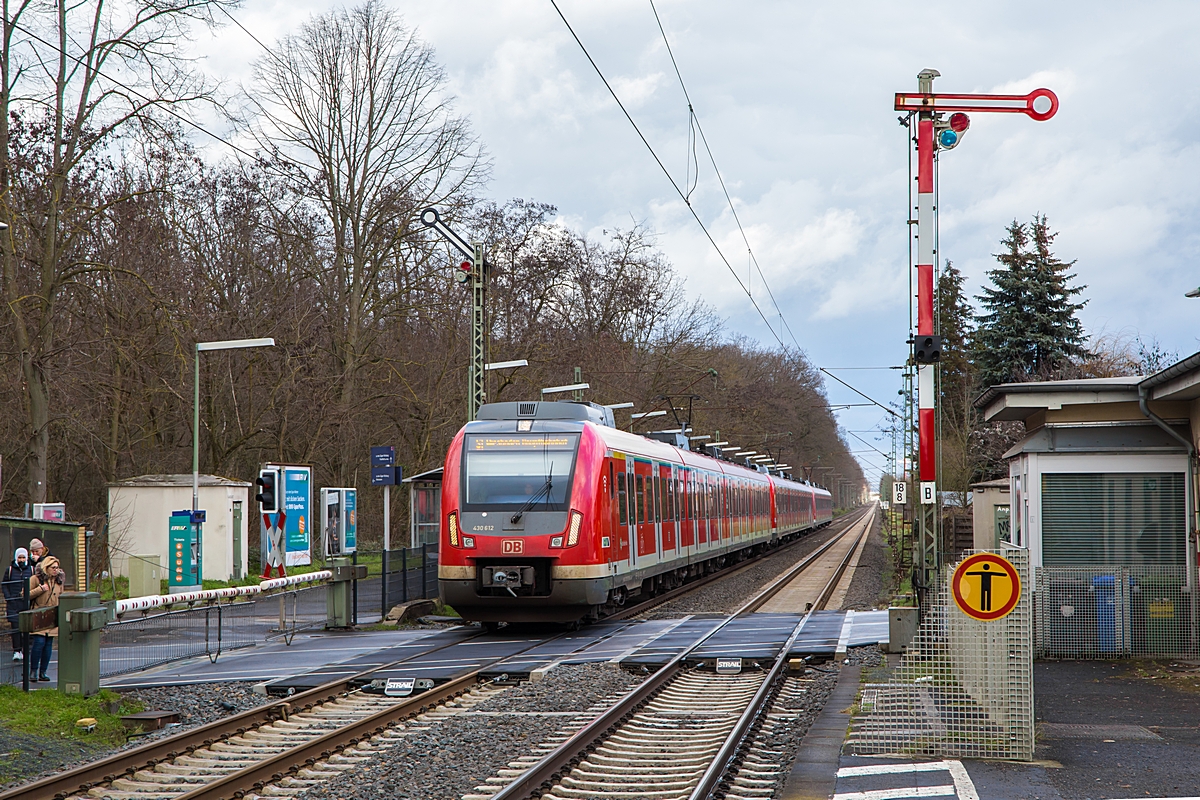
(936, 131)
(478, 280)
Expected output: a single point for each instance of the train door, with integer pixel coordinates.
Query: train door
(687, 517)
(646, 527)
(667, 502)
(611, 532)
(623, 511)
(657, 494)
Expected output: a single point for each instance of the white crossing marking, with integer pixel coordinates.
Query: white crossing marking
(898, 794)
(962, 781)
(892, 769)
(847, 626)
(963, 788)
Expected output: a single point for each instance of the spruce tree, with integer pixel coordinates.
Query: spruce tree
(956, 384)
(1029, 329)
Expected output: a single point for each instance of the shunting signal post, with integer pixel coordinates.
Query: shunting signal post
(941, 122)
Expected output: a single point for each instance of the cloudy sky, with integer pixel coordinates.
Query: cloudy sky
(796, 101)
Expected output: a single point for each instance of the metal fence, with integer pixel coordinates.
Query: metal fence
(1115, 612)
(408, 574)
(963, 688)
(142, 641)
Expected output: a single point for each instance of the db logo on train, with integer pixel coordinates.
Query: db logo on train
(986, 587)
(512, 546)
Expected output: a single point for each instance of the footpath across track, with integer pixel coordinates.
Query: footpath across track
(281, 748)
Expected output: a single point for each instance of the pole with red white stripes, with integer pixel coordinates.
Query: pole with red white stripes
(942, 122)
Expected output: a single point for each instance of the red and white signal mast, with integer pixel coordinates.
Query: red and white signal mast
(942, 122)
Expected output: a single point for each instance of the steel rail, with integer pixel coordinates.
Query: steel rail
(277, 767)
(720, 764)
(64, 784)
(559, 761)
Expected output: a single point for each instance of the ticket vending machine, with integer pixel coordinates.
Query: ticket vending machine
(339, 521)
(185, 571)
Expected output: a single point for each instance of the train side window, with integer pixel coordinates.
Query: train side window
(622, 500)
(612, 486)
(658, 498)
(640, 496)
(670, 482)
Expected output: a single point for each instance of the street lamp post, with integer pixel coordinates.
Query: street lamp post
(227, 344)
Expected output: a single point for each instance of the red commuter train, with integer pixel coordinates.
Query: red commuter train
(550, 513)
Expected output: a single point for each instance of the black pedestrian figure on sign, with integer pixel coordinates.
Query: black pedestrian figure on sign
(985, 585)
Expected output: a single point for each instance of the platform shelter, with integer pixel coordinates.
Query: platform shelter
(1102, 495)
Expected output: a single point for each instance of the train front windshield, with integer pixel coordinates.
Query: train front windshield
(518, 470)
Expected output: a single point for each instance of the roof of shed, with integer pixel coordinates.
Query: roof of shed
(180, 481)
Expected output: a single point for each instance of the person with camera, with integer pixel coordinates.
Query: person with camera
(45, 587)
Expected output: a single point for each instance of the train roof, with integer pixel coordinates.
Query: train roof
(602, 423)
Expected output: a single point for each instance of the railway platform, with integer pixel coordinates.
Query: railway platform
(1117, 730)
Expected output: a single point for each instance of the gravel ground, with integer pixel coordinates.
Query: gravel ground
(725, 596)
(453, 757)
(25, 758)
(866, 591)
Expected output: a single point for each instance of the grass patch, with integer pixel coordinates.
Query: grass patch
(52, 714)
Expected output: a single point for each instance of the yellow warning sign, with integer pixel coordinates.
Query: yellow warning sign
(986, 586)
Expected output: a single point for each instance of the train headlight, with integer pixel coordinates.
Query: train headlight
(452, 525)
(556, 541)
(573, 531)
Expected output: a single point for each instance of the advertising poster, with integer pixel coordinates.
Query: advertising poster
(297, 503)
(331, 502)
(350, 509)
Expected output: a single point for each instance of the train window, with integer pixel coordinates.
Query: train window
(612, 487)
(640, 494)
(622, 500)
(670, 499)
(658, 498)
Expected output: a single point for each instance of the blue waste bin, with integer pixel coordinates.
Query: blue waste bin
(1105, 587)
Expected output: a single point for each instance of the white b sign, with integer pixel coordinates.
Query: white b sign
(899, 493)
(928, 493)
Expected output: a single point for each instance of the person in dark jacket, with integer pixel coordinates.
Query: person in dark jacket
(15, 601)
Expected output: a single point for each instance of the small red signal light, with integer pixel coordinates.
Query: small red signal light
(959, 122)
(465, 266)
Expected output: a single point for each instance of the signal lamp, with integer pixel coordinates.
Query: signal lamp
(927, 349)
(267, 496)
(959, 122)
(452, 527)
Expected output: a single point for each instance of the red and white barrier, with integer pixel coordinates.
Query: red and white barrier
(208, 595)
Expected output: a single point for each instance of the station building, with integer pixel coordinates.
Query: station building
(1102, 493)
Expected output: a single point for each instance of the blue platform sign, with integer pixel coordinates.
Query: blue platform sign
(383, 456)
(383, 476)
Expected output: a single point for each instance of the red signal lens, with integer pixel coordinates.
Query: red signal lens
(466, 265)
(959, 122)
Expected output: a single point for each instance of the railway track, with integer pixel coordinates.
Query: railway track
(678, 733)
(728, 572)
(282, 748)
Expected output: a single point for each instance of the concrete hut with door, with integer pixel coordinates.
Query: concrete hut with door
(139, 511)
(1102, 493)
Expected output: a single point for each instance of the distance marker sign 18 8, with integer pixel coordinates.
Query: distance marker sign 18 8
(986, 587)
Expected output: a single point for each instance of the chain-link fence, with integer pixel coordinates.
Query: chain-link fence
(1115, 612)
(964, 688)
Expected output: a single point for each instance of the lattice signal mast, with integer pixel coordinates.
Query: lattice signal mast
(942, 121)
